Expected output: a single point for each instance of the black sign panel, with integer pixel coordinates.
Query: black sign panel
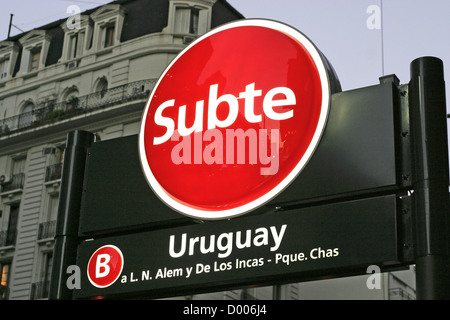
(357, 153)
(115, 194)
(334, 239)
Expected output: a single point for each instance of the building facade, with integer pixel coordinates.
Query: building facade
(93, 71)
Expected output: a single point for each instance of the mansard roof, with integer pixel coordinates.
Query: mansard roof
(141, 17)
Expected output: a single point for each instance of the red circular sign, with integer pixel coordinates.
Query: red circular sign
(234, 118)
(105, 266)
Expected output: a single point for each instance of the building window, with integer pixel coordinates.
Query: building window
(77, 38)
(26, 116)
(109, 36)
(186, 20)
(73, 46)
(72, 101)
(53, 207)
(46, 274)
(11, 233)
(3, 69)
(34, 60)
(9, 51)
(16, 179)
(35, 46)
(4, 280)
(193, 21)
(54, 169)
(101, 87)
(108, 22)
(18, 166)
(76, 43)
(190, 20)
(47, 266)
(47, 227)
(40, 290)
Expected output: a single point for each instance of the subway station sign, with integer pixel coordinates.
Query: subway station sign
(229, 131)
(250, 119)
(234, 118)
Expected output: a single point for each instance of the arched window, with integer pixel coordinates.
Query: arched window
(26, 115)
(101, 86)
(70, 98)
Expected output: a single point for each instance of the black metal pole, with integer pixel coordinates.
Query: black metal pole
(10, 24)
(66, 236)
(430, 178)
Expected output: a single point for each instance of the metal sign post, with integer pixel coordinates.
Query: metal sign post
(66, 236)
(430, 178)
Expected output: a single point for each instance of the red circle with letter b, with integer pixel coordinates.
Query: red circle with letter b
(105, 266)
(234, 119)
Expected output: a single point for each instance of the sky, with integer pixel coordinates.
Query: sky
(363, 39)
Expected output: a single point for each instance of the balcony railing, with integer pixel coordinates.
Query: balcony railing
(16, 182)
(46, 230)
(4, 292)
(39, 290)
(53, 172)
(400, 294)
(54, 111)
(8, 238)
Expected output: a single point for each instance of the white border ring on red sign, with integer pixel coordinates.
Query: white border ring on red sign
(229, 213)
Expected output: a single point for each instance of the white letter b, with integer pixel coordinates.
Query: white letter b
(102, 262)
